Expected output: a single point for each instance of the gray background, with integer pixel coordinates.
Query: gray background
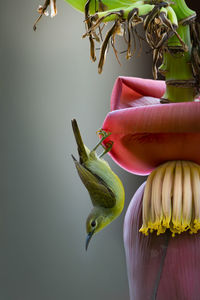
(46, 80)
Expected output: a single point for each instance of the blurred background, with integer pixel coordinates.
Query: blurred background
(46, 80)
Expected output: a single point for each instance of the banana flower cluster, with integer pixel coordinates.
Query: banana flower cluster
(155, 131)
(161, 228)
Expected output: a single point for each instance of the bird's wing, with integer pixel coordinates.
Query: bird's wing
(100, 194)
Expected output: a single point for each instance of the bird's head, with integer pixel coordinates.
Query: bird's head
(96, 221)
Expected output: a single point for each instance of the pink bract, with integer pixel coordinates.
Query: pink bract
(146, 133)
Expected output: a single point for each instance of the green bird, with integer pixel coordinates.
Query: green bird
(105, 188)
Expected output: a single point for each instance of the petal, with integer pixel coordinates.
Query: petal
(159, 267)
(149, 135)
(127, 91)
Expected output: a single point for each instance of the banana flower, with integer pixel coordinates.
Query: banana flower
(162, 253)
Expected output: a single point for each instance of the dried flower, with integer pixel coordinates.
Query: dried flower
(42, 10)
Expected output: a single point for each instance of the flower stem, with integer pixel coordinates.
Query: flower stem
(177, 63)
(182, 10)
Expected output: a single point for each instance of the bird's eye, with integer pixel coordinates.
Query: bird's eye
(93, 223)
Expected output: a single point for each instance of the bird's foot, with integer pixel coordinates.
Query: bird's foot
(107, 148)
(103, 134)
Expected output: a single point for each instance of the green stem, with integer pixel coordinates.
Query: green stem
(182, 10)
(176, 66)
(177, 69)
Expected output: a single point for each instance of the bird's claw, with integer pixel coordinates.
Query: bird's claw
(103, 134)
(107, 148)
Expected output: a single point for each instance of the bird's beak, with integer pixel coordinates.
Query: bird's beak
(89, 236)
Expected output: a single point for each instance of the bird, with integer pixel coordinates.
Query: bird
(104, 186)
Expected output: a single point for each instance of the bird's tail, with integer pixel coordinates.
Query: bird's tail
(81, 148)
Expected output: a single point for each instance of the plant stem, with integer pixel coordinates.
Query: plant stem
(182, 10)
(177, 66)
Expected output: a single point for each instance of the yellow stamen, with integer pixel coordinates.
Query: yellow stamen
(172, 198)
(167, 194)
(196, 197)
(177, 199)
(187, 197)
(147, 216)
(156, 195)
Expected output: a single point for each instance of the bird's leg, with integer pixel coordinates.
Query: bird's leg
(107, 148)
(103, 135)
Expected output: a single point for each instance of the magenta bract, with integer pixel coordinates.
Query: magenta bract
(146, 133)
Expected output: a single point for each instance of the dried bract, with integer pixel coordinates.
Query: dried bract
(121, 27)
(157, 26)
